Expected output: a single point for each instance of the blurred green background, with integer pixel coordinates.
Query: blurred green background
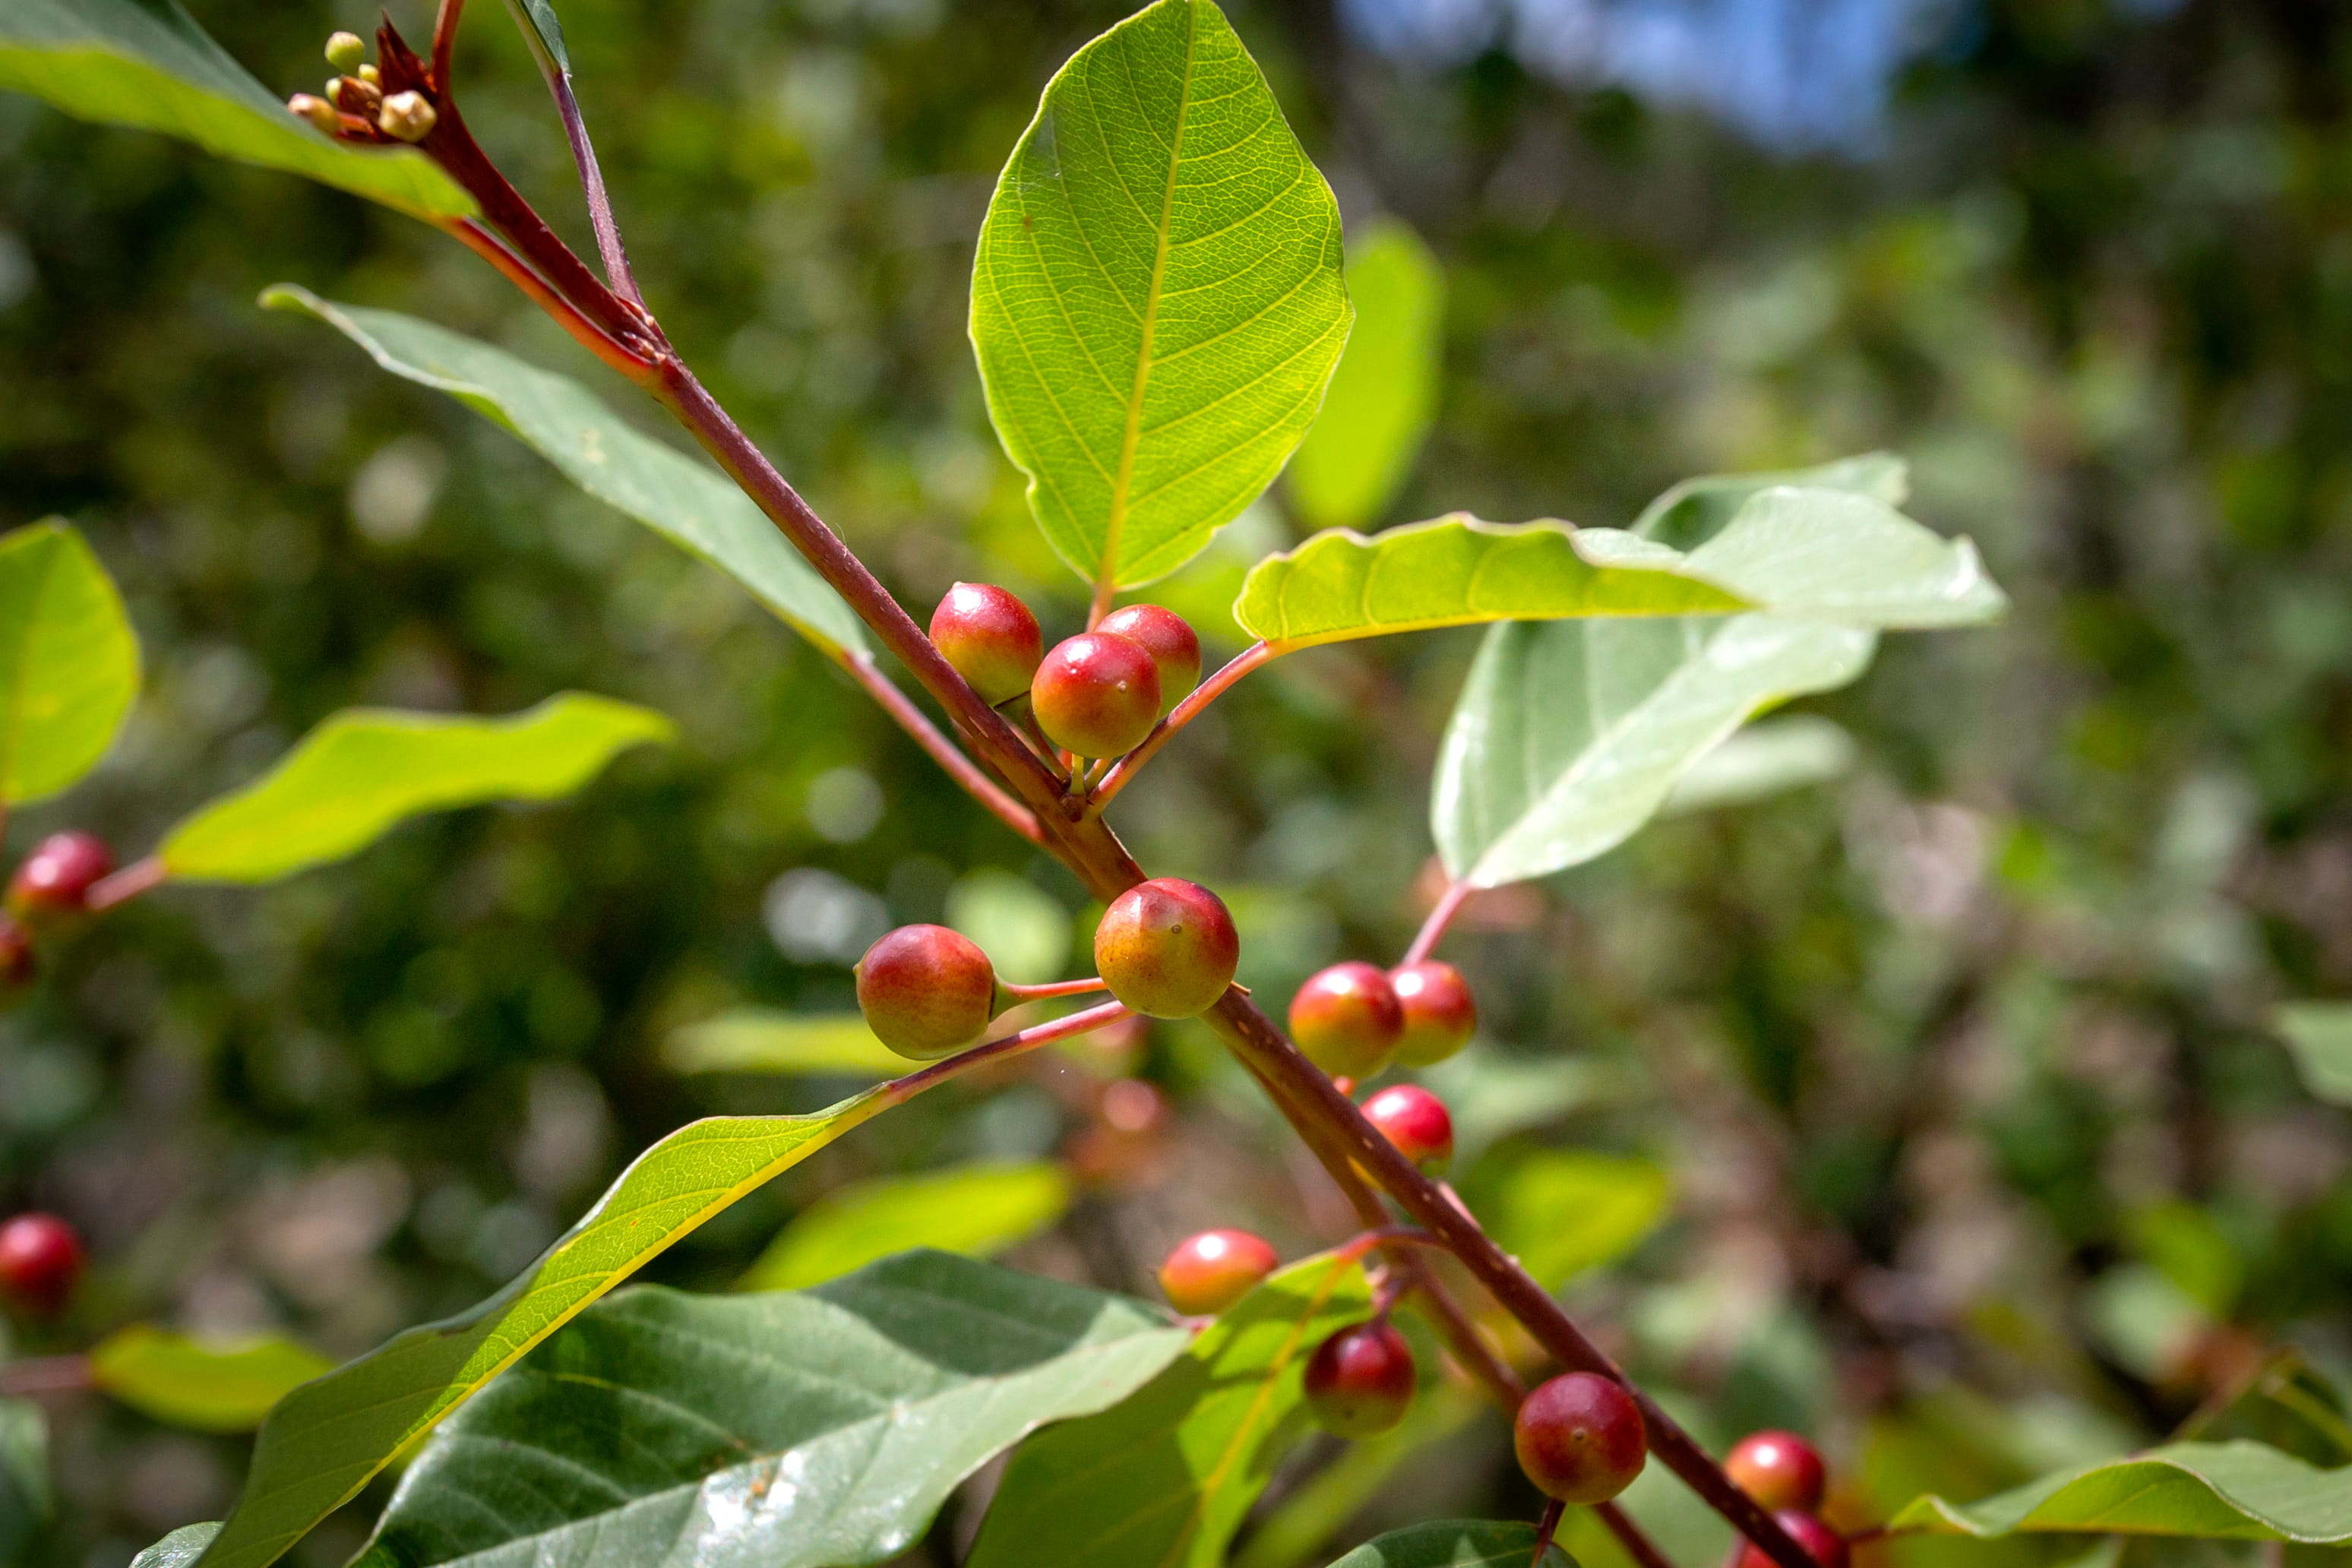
(1940, 1115)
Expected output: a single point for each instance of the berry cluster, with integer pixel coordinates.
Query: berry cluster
(357, 107)
(50, 889)
(1096, 695)
(41, 1261)
(1785, 1474)
(1353, 1019)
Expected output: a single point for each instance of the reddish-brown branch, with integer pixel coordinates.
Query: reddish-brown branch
(900, 1089)
(597, 342)
(1183, 713)
(1630, 1536)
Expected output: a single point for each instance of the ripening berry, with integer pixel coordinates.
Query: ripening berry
(1416, 1121)
(40, 1262)
(1360, 1381)
(346, 52)
(1348, 1019)
(1209, 1272)
(19, 963)
(926, 991)
(1822, 1544)
(57, 877)
(1580, 1438)
(1174, 647)
(1439, 1014)
(1779, 1469)
(991, 638)
(1096, 694)
(1166, 948)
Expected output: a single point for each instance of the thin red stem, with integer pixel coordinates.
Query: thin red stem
(1085, 987)
(139, 876)
(1630, 1536)
(898, 1090)
(607, 228)
(1432, 929)
(636, 366)
(445, 43)
(1183, 713)
(863, 670)
(1547, 1526)
(49, 1374)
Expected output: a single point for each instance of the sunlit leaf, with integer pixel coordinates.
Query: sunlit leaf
(27, 1499)
(1157, 300)
(69, 662)
(1762, 761)
(179, 1549)
(974, 1210)
(324, 1441)
(757, 1040)
(1382, 397)
(1164, 1480)
(2319, 1035)
(224, 1387)
(1564, 1211)
(1694, 511)
(144, 63)
(1306, 1518)
(363, 771)
(684, 500)
(2235, 1491)
(1455, 1543)
(802, 1429)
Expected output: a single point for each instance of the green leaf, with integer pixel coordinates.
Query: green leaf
(1696, 509)
(26, 1500)
(179, 1549)
(756, 1039)
(2234, 1491)
(1382, 397)
(1453, 1544)
(1157, 300)
(144, 63)
(2319, 1036)
(208, 1387)
(323, 1441)
(1165, 1479)
(803, 1430)
(1762, 761)
(1315, 1512)
(683, 500)
(543, 33)
(975, 1211)
(1565, 1211)
(69, 662)
(362, 771)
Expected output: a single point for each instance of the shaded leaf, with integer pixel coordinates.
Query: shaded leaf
(26, 1498)
(1762, 761)
(179, 1549)
(800, 1429)
(1453, 1544)
(2319, 1036)
(1157, 300)
(681, 498)
(1694, 511)
(1493, 1094)
(144, 63)
(758, 1039)
(326, 1439)
(364, 770)
(2234, 1492)
(1166, 1478)
(69, 661)
(1564, 1211)
(208, 1388)
(1306, 1518)
(976, 1211)
(1384, 393)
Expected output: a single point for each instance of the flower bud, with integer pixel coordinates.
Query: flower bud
(408, 117)
(318, 112)
(926, 991)
(1166, 948)
(346, 52)
(371, 75)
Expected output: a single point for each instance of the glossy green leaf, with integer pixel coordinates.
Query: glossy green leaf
(226, 1387)
(364, 770)
(805, 1044)
(69, 662)
(27, 1499)
(1157, 300)
(975, 1211)
(144, 63)
(1762, 761)
(2319, 1036)
(1384, 393)
(802, 1429)
(1564, 1211)
(179, 1549)
(326, 1439)
(1455, 1543)
(682, 499)
(1164, 1480)
(1309, 1516)
(2234, 1492)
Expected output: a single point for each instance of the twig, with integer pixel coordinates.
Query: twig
(592, 186)
(863, 670)
(121, 887)
(1184, 712)
(1432, 929)
(48, 1374)
(1547, 1526)
(445, 43)
(1637, 1544)
(491, 249)
(900, 1089)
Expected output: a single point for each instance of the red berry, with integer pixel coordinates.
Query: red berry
(991, 638)
(19, 963)
(1096, 694)
(57, 877)
(926, 991)
(1439, 1013)
(1174, 647)
(1348, 1019)
(1580, 1438)
(40, 1262)
(1779, 1469)
(1822, 1544)
(1209, 1272)
(1360, 1381)
(1416, 1121)
(1166, 948)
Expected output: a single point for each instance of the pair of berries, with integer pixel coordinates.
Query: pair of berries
(1353, 1019)
(51, 885)
(1097, 694)
(1785, 1474)
(41, 1261)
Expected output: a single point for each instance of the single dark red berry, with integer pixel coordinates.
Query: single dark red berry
(57, 877)
(1416, 1121)
(1580, 1437)
(1822, 1544)
(1348, 1019)
(1779, 1469)
(1166, 948)
(1096, 694)
(926, 991)
(1209, 1272)
(40, 1262)
(1173, 645)
(18, 962)
(991, 638)
(1439, 1013)
(1360, 1380)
